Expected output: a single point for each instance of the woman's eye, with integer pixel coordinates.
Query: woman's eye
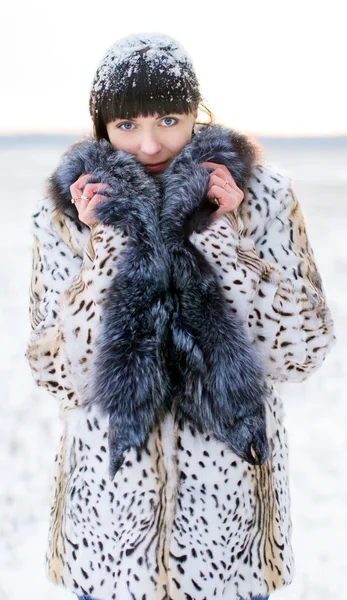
(169, 121)
(126, 126)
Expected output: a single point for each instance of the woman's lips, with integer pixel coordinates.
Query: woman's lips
(156, 167)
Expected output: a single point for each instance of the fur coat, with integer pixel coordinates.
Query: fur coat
(162, 333)
(168, 338)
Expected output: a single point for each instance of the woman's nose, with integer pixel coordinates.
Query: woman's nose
(150, 145)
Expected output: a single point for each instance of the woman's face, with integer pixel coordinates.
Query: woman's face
(154, 141)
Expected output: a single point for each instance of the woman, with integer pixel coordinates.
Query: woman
(173, 284)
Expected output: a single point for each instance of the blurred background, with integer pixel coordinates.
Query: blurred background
(275, 70)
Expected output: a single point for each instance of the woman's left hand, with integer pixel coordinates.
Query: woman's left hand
(222, 186)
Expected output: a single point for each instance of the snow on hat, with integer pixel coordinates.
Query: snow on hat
(143, 74)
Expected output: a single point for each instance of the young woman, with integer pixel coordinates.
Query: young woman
(173, 284)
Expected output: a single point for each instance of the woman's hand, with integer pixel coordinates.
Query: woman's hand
(86, 197)
(222, 187)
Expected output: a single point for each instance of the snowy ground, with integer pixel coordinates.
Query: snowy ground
(316, 410)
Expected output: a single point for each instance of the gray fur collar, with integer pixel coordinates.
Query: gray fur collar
(210, 143)
(167, 339)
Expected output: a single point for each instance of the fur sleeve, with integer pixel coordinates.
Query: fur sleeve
(66, 294)
(269, 277)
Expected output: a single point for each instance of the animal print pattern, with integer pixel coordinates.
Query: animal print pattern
(273, 285)
(68, 280)
(185, 519)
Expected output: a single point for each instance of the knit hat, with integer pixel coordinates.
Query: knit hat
(143, 75)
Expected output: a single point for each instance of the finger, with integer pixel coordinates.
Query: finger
(94, 202)
(223, 195)
(221, 181)
(225, 175)
(228, 185)
(225, 186)
(86, 193)
(77, 187)
(85, 207)
(216, 192)
(212, 165)
(90, 189)
(222, 170)
(81, 204)
(82, 180)
(89, 213)
(229, 201)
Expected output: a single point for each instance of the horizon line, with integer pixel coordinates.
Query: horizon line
(82, 132)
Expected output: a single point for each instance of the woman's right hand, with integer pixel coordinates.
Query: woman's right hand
(91, 198)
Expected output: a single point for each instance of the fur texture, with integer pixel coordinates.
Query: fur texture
(130, 377)
(130, 374)
(166, 334)
(215, 143)
(217, 381)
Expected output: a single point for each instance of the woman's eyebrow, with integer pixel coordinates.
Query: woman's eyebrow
(166, 115)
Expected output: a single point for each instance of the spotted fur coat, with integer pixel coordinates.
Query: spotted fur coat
(185, 518)
(168, 341)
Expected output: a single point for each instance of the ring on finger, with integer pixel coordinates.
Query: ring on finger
(74, 200)
(226, 183)
(85, 197)
(216, 201)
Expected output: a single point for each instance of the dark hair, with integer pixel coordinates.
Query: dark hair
(145, 75)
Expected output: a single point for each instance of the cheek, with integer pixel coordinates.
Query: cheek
(181, 139)
(120, 142)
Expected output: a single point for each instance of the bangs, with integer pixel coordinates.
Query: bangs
(146, 92)
(143, 88)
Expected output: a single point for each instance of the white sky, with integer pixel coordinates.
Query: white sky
(266, 66)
